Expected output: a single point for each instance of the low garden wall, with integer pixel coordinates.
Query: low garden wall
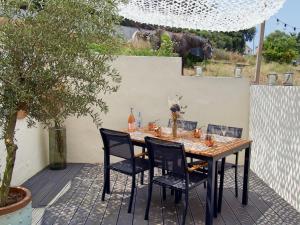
(32, 154)
(275, 131)
(146, 84)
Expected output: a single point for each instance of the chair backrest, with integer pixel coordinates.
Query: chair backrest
(117, 143)
(185, 124)
(169, 156)
(230, 131)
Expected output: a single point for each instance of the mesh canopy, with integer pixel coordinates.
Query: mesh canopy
(213, 15)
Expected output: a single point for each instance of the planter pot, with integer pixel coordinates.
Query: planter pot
(20, 212)
(199, 71)
(272, 79)
(21, 114)
(238, 71)
(288, 79)
(57, 148)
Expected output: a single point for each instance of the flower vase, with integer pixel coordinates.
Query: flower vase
(174, 125)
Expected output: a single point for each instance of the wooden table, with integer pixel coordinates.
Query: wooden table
(211, 155)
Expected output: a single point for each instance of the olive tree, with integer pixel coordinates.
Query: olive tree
(47, 68)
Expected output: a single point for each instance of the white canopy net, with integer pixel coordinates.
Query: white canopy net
(213, 15)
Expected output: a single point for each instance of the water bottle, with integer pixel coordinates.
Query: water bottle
(139, 120)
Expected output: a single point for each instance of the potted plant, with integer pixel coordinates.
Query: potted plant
(45, 59)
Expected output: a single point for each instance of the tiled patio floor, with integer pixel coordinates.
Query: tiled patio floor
(72, 196)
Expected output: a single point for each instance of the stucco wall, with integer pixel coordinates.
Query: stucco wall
(32, 153)
(275, 131)
(146, 84)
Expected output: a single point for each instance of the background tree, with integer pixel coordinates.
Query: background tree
(280, 47)
(46, 64)
(230, 41)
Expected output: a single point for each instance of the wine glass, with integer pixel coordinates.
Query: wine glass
(224, 130)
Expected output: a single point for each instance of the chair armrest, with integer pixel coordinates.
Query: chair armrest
(140, 154)
(196, 167)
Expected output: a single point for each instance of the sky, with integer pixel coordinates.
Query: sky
(289, 13)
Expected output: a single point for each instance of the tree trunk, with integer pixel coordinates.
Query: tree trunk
(11, 149)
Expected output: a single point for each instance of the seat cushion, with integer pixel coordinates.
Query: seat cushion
(168, 180)
(125, 166)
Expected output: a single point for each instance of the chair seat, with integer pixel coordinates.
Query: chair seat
(195, 179)
(125, 166)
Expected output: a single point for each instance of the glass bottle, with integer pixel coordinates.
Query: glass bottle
(139, 120)
(131, 121)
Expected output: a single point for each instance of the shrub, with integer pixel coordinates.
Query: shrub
(280, 47)
(166, 47)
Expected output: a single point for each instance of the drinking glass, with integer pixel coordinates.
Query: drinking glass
(224, 130)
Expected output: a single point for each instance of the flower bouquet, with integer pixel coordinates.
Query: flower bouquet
(176, 112)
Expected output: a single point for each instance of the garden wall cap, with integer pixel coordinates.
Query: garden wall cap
(212, 15)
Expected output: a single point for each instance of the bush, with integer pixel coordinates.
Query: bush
(166, 47)
(280, 47)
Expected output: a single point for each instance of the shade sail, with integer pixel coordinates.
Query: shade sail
(212, 15)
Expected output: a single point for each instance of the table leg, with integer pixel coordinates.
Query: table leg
(220, 197)
(210, 192)
(216, 192)
(246, 175)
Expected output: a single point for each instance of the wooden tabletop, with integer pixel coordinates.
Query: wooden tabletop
(195, 145)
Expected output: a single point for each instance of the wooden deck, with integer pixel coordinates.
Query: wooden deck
(72, 196)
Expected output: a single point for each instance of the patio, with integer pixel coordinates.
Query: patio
(72, 196)
(66, 75)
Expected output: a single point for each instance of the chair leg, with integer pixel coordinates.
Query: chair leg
(131, 194)
(176, 197)
(172, 192)
(204, 184)
(104, 190)
(185, 208)
(108, 181)
(236, 175)
(149, 200)
(164, 191)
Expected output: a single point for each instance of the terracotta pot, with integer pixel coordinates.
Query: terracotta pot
(20, 212)
(21, 114)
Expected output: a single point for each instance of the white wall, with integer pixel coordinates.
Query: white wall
(146, 84)
(275, 131)
(32, 153)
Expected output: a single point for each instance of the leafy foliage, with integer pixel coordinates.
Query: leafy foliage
(280, 47)
(47, 67)
(230, 41)
(166, 47)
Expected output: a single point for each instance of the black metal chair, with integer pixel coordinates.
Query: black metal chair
(170, 157)
(223, 166)
(119, 144)
(230, 132)
(185, 124)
